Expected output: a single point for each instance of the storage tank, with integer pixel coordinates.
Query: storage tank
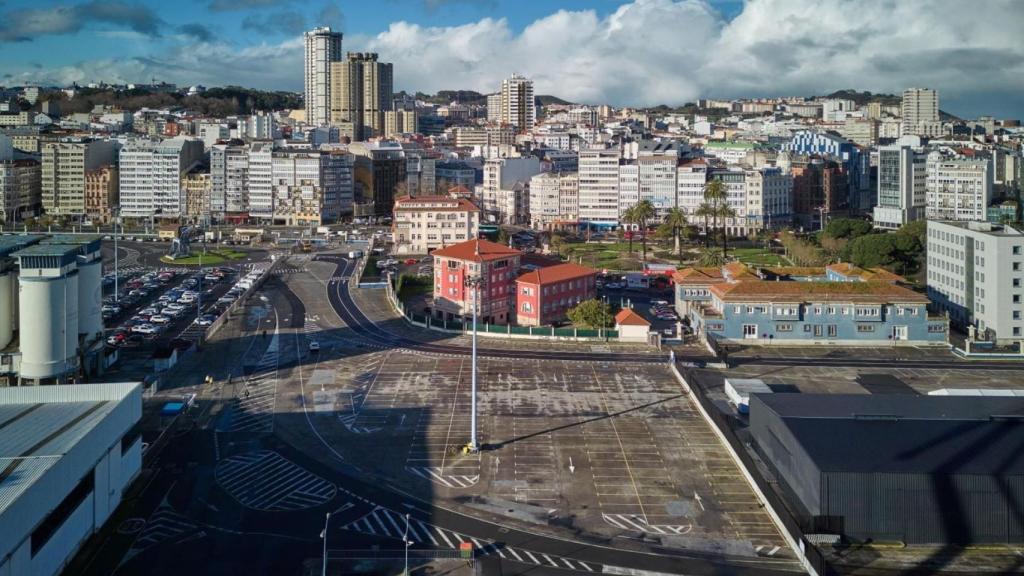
(69, 305)
(90, 299)
(6, 307)
(42, 348)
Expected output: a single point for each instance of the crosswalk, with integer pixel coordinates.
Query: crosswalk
(436, 475)
(387, 523)
(769, 551)
(350, 421)
(634, 522)
(265, 480)
(165, 524)
(254, 407)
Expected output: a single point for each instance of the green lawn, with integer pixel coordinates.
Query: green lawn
(758, 257)
(614, 256)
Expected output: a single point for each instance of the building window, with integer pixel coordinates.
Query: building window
(807, 327)
(865, 327)
(783, 327)
(716, 327)
(832, 331)
(936, 328)
(1016, 250)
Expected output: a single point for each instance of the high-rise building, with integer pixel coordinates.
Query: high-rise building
(494, 107)
(544, 201)
(657, 175)
(901, 186)
(379, 168)
(150, 176)
(198, 185)
(229, 176)
(920, 112)
(518, 107)
(691, 178)
(974, 271)
(362, 90)
(598, 191)
(958, 188)
(311, 187)
(101, 194)
(64, 166)
(398, 122)
(322, 48)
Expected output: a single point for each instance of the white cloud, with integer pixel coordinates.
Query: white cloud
(667, 51)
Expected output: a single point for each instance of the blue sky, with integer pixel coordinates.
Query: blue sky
(623, 52)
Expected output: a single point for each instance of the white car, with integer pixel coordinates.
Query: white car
(160, 319)
(314, 346)
(144, 329)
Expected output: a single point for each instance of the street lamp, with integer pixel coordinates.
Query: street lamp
(323, 535)
(117, 219)
(473, 283)
(405, 540)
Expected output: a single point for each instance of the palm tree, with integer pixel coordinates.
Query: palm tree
(716, 194)
(676, 219)
(726, 212)
(706, 211)
(643, 212)
(711, 258)
(627, 218)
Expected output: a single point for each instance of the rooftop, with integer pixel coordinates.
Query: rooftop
(476, 251)
(627, 317)
(846, 292)
(557, 273)
(435, 203)
(904, 433)
(13, 243)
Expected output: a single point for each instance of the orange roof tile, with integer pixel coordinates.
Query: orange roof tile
(847, 269)
(698, 276)
(476, 251)
(440, 204)
(627, 317)
(853, 292)
(557, 273)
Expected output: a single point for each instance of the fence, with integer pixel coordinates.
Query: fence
(812, 558)
(497, 330)
(223, 318)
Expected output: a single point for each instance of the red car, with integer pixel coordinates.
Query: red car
(411, 261)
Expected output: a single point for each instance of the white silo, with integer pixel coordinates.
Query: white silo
(6, 307)
(90, 298)
(47, 303)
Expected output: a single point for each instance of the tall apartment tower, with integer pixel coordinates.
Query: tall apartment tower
(517, 103)
(902, 186)
(920, 111)
(362, 90)
(322, 47)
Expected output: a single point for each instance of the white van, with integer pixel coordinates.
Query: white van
(355, 254)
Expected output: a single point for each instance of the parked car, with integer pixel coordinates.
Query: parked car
(160, 319)
(144, 329)
(314, 346)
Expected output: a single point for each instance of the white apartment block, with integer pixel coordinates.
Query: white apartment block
(545, 189)
(769, 198)
(568, 196)
(902, 178)
(150, 176)
(658, 181)
(629, 186)
(260, 202)
(976, 273)
(500, 178)
(259, 126)
(958, 188)
(229, 173)
(691, 178)
(424, 224)
(598, 191)
(322, 47)
(494, 108)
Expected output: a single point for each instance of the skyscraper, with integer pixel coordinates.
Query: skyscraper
(322, 48)
(362, 90)
(920, 112)
(517, 104)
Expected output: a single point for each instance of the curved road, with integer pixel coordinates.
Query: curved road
(349, 312)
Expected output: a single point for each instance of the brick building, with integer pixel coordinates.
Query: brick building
(101, 194)
(545, 295)
(496, 266)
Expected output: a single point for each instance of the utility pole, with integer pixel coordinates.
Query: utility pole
(117, 219)
(405, 540)
(473, 283)
(323, 535)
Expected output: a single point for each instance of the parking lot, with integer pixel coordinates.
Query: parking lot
(607, 449)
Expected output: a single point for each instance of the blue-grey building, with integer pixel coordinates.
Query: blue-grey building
(838, 305)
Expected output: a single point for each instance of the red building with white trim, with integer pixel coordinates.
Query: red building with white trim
(545, 295)
(496, 265)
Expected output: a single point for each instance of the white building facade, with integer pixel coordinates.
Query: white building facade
(958, 188)
(150, 176)
(902, 189)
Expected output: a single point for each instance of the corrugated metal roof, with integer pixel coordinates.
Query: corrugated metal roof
(902, 433)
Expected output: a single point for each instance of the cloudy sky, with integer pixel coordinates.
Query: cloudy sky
(639, 52)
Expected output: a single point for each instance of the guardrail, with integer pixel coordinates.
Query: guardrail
(223, 318)
(498, 330)
(810, 556)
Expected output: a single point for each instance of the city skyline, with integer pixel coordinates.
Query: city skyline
(621, 53)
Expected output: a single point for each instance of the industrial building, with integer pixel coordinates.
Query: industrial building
(56, 281)
(897, 467)
(68, 454)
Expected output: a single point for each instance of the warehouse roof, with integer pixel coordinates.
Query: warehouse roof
(894, 433)
(52, 437)
(13, 243)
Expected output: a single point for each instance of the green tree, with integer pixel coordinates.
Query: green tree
(849, 228)
(715, 194)
(644, 212)
(711, 258)
(706, 211)
(725, 212)
(591, 313)
(502, 236)
(873, 250)
(676, 220)
(627, 219)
